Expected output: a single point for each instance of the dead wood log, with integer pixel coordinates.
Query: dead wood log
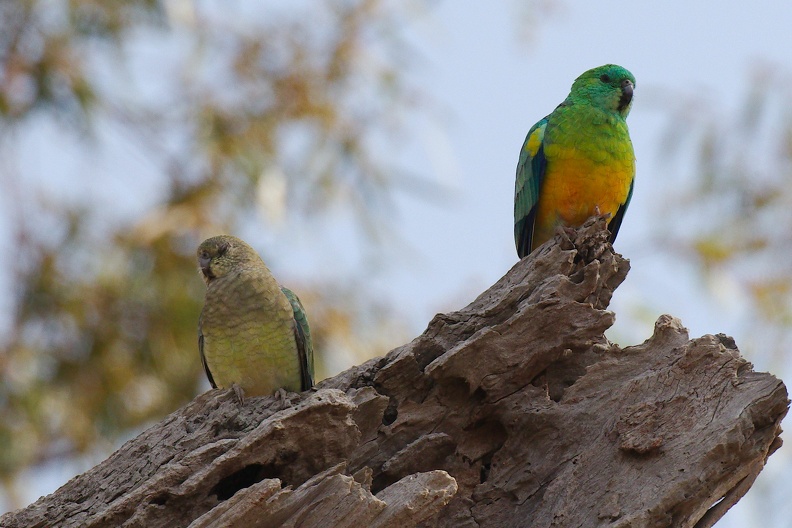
(514, 411)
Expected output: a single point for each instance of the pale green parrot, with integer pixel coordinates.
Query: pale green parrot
(252, 332)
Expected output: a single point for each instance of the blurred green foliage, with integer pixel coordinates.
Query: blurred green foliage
(728, 217)
(250, 115)
(732, 217)
(261, 114)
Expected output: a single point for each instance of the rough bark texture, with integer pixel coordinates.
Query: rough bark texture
(515, 411)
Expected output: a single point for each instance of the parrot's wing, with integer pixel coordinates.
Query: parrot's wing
(302, 335)
(203, 357)
(530, 174)
(615, 223)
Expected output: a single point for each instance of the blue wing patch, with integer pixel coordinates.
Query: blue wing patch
(530, 174)
(302, 336)
(615, 223)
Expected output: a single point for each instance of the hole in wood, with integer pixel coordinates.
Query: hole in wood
(426, 355)
(160, 499)
(244, 478)
(380, 482)
(485, 470)
(391, 413)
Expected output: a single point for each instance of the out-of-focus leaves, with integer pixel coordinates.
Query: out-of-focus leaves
(727, 210)
(41, 48)
(237, 107)
(734, 214)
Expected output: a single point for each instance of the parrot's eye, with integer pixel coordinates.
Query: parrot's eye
(605, 78)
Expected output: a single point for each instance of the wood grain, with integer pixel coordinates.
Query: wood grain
(514, 411)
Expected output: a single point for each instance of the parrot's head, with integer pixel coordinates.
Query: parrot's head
(608, 87)
(218, 256)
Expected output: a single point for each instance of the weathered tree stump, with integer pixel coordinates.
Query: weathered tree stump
(514, 411)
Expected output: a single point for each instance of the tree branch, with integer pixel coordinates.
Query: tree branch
(515, 410)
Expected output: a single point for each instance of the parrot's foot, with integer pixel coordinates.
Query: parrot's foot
(239, 393)
(282, 395)
(598, 212)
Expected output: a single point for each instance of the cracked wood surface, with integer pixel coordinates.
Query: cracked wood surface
(514, 411)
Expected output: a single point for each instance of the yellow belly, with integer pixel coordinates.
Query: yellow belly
(248, 337)
(576, 187)
(259, 366)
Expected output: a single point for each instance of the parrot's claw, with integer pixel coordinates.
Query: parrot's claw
(598, 212)
(239, 393)
(282, 395)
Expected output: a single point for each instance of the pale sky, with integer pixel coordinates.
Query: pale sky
(495, 86)
(491, 85)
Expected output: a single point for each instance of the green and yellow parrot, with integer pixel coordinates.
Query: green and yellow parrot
(252, 332)
(578, 161)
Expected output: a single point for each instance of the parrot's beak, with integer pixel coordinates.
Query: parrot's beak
(627, 94)
(203, 263)
(627, 87)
